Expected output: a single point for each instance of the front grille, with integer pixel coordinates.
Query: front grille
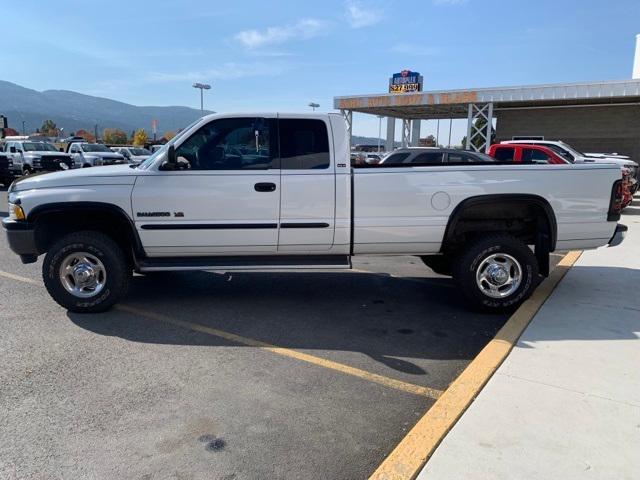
(112, 161)
(52, 163)
(5, 163)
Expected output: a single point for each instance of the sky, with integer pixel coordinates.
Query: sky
(280, 55)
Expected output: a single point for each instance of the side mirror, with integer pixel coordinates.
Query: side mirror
(61, 149)
(171, 155)
(171, 163)
(12, 149)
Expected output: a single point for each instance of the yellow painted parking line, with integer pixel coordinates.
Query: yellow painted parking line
(406, 460)
(286, 352)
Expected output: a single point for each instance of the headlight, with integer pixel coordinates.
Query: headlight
(16, 212)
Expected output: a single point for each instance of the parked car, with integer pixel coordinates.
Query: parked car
(574, 156)
(532, 154)
(434, 155)
(361, 158)
(93, 155)
(7, 173)
(30, 156)
(300, 205)
(134, 155)
(542, 154)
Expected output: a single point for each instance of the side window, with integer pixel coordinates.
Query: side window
(73, 149)
(530, 155)
(7, 146)
(229, 144)
(428, 158)
(396, 158)
(304, 144)
(505, 154)
(460, 158)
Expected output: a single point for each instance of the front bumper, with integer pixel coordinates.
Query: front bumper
(618, 235)
(22, 239)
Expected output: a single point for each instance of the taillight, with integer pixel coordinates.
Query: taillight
(615, 205)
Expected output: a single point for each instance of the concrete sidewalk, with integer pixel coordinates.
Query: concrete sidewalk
(565, 404)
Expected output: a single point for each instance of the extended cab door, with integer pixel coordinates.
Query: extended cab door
(308, 194)
(226, 202)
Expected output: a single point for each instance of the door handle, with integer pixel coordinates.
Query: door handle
(265, 187)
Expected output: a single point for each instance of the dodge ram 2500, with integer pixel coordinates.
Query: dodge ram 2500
(276, 191)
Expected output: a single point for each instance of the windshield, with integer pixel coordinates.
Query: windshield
(572, 150)
(139, 151)
(563, 152)
(149, 161)
(38, 147)
(95, 147)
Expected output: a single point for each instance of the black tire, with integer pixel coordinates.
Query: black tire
(27, 171)
(470, 261)
(118, 273)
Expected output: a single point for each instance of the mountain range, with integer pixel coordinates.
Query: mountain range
(75, 111)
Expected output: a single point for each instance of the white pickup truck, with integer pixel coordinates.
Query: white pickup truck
(277, 191)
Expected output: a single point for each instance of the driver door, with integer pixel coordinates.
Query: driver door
(226, 199)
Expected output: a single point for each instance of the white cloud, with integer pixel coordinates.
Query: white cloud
(303, 29)
(449, 2)
(359, 16)
(226, 71)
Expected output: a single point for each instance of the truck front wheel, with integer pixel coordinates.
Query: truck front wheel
(86, 272)
(496, 273)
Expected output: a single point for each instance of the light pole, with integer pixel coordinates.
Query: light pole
(24, 130)
(202, 87)
(314, 106)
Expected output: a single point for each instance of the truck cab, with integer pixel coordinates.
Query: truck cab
(30, 156)
(86, 154)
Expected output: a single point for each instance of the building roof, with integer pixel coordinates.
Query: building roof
(454, 103)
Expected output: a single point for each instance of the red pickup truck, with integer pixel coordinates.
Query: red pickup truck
(539, 154)
(516, 153)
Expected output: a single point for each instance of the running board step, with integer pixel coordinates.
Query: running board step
(253, 262)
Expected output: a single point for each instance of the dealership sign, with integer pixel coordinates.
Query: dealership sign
(405, 81)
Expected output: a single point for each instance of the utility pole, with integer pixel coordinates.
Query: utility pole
(95, 131)
(202, 87)
(24, 130)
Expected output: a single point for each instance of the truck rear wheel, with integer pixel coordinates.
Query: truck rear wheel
(496, 273)
(86, 272)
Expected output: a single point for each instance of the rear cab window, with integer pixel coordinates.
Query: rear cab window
(531, 155)
(304, 144)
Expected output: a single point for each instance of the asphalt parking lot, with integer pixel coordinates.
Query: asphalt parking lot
(203, 375)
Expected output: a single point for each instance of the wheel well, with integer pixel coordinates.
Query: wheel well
(53, 222)
(529, 218)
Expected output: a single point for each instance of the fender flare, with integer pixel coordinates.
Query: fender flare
(63, 207)
(511, 199)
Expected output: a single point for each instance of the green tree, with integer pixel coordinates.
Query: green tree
(140, 137)
(49, 128)
(114, 136)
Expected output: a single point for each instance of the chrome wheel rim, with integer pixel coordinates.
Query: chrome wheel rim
(82, 274)
(499, 275)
